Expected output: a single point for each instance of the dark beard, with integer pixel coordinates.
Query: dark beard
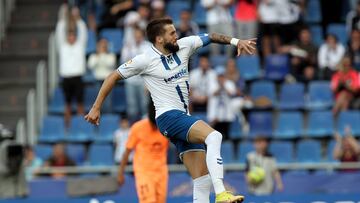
(172, 48)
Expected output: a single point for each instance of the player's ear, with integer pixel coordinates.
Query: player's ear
(160, 39)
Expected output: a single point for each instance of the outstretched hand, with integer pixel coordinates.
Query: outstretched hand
(93, 116)
(246, 46)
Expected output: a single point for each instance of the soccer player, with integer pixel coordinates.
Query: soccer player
(151, 171)
(164, 68)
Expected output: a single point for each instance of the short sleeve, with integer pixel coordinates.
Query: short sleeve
(195, 41)
(134, 66)
(133, 138)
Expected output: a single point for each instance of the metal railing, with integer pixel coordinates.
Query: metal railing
(52, 64)
(6, 7)
(41, 93)
(31, 117)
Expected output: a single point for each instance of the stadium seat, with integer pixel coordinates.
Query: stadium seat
(338, 30)
(282, 151)
(249, 66)
(276, 66)
(43, 151)
(52, 129)
(227, 152)
(317, 34)
(199, 14)
(260, 123)
(235, 131)
(172, 155)
(320, 124)
(308, 151)
(330, 150)
(263, 89)
(80, 130)
(101, 155)
(243, 149)
(90, 94)
(292, 96)
(57, 103)
(108, 125)
(320, 95)
(289, 125)
(91, 42)
(174, 8)
(114, 37)
(349, 118)
(118, 99)
(218, 60)
(77, 152)
(313, 11)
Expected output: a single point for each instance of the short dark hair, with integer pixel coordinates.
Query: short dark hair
(156, 28)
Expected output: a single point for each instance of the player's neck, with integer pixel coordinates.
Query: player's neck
(162, 49)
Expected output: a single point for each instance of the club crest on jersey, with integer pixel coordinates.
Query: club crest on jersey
(178, 75)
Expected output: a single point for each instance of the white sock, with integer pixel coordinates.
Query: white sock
(202, 187)
(214, 161)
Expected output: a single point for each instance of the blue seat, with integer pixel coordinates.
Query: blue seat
(243, 149)
(320, 95)
(80, 130)
(263, 89)
(282, 151)
(109, 123)
(276, 66)
(101, 155)
(235, 131)
(90, 94)
(330, 150)
(118, 99)
(199, 14)
(172, 155)
(261, 123)
(115, 38)
(317, 34)
(292, 96)
(289, 125)
(227, 152)
(91, 42)
(349, 118)
(249, 66)
(320, 124)
(313, 11)
(308, 151)
(339, 30)
(52, 129)
(43, 151)
(57, 103)
(218, 60)
(174, 8)
(76, 152)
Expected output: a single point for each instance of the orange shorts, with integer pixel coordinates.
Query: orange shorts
(151, 188)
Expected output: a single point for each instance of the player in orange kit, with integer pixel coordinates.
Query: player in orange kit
(150, 159)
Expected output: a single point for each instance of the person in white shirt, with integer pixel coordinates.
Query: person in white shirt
(329, 56)
(120, 138)
(71, 37)
(164, 68)
(102, 62)
(200, 80)
(136, 96)
(219, 19)
(220, 112)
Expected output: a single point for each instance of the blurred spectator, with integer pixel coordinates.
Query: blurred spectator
(200, 80)
(220, 113)
(246, 18)
(347, 149)
(186, 26)
(354, 49)
(59, 158)
(158, 9)
(353, 19)
(71, 36)
(345, 84)
(261, 170)
(219, 20)
(120, 138)
(289, 19)
(269, 28)
(102, 63)
(115, 10)
(136, 98)
(32, 163)
(329, 55)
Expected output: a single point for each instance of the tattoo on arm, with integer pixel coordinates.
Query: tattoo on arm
(219, 38)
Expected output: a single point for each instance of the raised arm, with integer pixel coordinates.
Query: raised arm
(94, 115)
(248, 46)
